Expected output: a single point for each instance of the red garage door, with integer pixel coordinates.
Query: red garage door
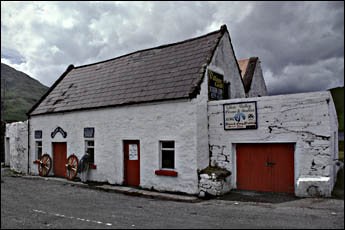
(265, 167)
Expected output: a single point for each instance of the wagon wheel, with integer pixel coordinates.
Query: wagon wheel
(72, 167)
(44, 165)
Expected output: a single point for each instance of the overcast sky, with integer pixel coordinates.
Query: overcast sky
(300, 44)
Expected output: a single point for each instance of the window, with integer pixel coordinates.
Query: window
(167, 154)
(38, 149)
(90, 148)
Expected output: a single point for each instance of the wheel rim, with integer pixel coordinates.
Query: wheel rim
(45, 165)
(71, 167)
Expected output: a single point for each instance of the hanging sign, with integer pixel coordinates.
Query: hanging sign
(216, 86)
(242, 115)
(133, 152)
(58, 130)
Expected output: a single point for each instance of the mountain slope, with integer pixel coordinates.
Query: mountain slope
(19, 92)
(338, 98)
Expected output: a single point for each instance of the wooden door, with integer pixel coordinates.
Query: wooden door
(265, 167)
(132, 163)
(59, 158)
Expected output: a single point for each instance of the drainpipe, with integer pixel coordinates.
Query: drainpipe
(28, 145)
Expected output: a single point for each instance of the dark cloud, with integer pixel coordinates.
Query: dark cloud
(300, 44)
(293, 34)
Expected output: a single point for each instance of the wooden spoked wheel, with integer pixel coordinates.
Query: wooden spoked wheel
(72, 167)
(44, 165)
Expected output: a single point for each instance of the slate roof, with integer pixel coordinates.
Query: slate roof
(172, 71)
(247, 67)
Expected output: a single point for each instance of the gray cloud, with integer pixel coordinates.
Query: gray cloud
(300, 44)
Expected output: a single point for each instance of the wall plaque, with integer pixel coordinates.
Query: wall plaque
(242, 115)
(59, 130)
(38, 134)
(216, 85)
(89, 132)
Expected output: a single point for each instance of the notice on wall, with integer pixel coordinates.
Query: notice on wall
(133, 152)
(216, 85)
(241, 115)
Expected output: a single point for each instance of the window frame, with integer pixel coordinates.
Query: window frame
(38, 147)
(161, 149)
(92, 161)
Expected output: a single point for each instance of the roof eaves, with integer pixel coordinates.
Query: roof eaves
(112, 106)
(69, 68)
(195, 90)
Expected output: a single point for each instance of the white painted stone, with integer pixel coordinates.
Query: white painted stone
(258, 86)
(308, 120)
(148, 123)
(17, 148)
(313, 186)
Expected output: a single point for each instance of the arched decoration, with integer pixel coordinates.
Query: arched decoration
(59, 129)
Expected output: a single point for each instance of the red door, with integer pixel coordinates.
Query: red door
(265, 167)
(59, 158)
(132, 163)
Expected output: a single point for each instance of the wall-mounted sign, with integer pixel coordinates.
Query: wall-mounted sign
(240, 115)
(89, 132)
(59, 130)
(38, 134)
(216, 85)
(133, 152)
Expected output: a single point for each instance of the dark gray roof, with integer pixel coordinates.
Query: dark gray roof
(166, 72)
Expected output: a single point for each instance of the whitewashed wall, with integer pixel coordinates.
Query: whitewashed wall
(308, 120)
(224, 62)
(148, 123)
(16, 146)
(258, 86)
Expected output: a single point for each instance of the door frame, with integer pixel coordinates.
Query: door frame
(234, 159)
(125, 169)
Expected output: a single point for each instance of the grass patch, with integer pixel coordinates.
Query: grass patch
(341, 151)
(341, 156)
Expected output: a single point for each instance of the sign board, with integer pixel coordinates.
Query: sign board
(133, 152)
(38, 134)
(89, 132)
(242, 115)
(216, 85)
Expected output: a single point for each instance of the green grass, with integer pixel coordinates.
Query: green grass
(338, 98)
(341, 150)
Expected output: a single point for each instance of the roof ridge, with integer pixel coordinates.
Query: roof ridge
(221, 30)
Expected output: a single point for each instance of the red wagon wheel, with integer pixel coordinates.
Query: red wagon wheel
(44, 165)
(72, 167)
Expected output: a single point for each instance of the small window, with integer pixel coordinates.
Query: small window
(38, 149)
(167, 154)
(90, 148)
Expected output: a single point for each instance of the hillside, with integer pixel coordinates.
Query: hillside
(338, 98)
(21, 93)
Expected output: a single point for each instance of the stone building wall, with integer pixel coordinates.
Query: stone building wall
(308, 120)
(16, 146)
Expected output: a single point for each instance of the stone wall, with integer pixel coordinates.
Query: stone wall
(16, 146)
(214, 181)
(308, 120)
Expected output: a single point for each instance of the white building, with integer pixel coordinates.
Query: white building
(253, 79)
(158, 119)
